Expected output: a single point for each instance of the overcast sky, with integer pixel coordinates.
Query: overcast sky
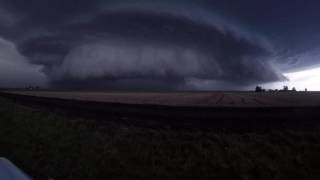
(159, 45)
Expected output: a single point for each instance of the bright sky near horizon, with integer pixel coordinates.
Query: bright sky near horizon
(309, 79)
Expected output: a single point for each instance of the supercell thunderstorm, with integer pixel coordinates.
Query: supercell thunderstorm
(142, 47)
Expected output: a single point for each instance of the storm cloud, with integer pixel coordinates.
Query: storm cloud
(140, 45)
(15, 70)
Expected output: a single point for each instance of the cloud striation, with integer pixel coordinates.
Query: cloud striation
(132, 46)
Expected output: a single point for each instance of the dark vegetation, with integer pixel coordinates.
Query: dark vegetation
(285, 89)
(54, 145)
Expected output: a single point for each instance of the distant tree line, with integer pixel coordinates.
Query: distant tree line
(284, 89)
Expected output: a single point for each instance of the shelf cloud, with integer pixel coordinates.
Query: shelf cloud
(142, 45)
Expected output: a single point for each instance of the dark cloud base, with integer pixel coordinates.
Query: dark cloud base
(145, 84)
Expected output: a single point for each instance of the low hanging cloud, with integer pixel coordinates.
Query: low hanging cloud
(15, 70)
(116, 63)
(142, 48)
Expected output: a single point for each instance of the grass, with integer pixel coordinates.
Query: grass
(52, 145)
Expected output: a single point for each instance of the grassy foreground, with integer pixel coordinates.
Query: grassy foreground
(48, 145)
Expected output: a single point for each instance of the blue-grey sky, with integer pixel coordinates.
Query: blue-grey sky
(144, 44)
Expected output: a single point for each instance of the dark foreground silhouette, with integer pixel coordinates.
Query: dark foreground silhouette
(67, 139)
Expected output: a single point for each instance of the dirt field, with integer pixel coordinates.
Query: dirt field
(207, 135)
(202, 99)
(219, 110)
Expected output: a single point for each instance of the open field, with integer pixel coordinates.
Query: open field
(55, 145)
(202, 99)
(220, 110)
(208, 135)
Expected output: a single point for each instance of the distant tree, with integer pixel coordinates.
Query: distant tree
(259, 89)
(285, 88)
(294, 89)
(306, 90)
